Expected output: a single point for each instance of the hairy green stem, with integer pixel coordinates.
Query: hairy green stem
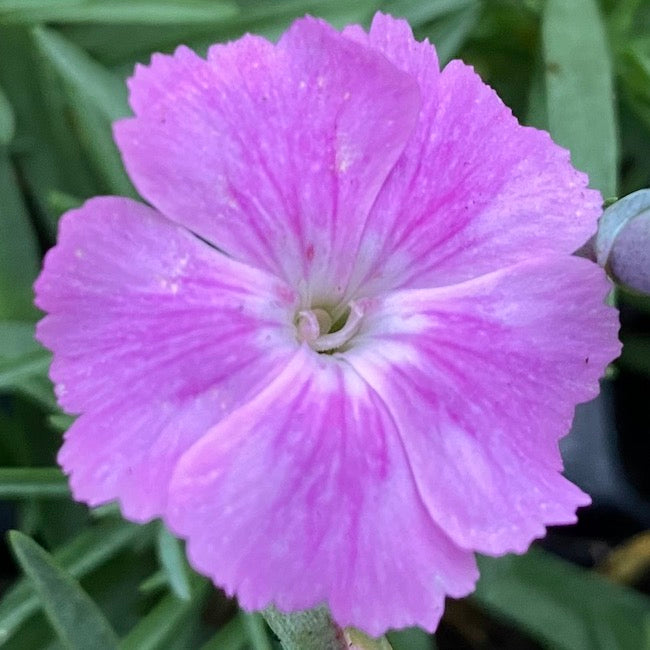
(313, 629)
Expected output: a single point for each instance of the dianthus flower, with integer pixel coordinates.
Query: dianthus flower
(337, 354)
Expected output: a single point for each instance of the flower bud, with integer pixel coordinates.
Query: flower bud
(623, 241)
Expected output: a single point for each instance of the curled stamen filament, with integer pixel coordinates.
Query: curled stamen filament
(313, 327)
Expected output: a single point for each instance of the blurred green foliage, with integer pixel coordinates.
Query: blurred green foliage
(580, 68)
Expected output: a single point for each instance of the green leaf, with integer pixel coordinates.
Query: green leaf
(450, 32)
(412, 638)
(22, 359)
(621, 18)
(634, 62)
(7, 120)
(163, 622)
(14, 371)
(256, 631)
(19, 257)
(579, 89)
(23, 363)
(125, 44)
(106, 92)
(636, 354)
(17, 339)
(113, 11)
(60, 202)
(26, 482)
(39, 389)
(418, 13)
(561, 605)
(232, 636)
(60, 422)
(157, 581)
(75, 617)
(537, 113)
(46, 154)
(172, 558)
(96, 97)
(89, 550)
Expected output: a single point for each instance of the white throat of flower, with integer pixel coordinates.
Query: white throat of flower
(313, 326)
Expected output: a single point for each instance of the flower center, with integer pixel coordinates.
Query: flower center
(321, 332)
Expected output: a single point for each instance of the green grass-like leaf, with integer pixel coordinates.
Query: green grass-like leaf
(75, 617)
(33, 482)
(96, 97)
(564, 606)
(579, 89)
(14, 371)
(17, 339)
(46, 155)
(114, 11)
(161, 624)
(418, 13)
(412, 638)
(452, 29)
(80, 557)
(175, 565)
(19, 256)
(256, 631)
(232, 636)
(7, 120)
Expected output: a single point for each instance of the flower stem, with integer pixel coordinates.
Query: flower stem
(313, 629)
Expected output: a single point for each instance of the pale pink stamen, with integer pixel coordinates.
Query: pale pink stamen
(313, 327)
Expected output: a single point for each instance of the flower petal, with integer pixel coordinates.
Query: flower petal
(473, 191)
(273, 153)
(304, 496)
(156, 336)
(482, 379)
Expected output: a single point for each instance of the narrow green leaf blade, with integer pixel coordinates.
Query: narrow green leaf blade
(174, 563)
(450, 31)
(411, 638)
(106, 91)
(163, 622)
(7, 120)
(256, 630)
(14, 371)
(114, 11)
(124, 45)
(45, 155)
(417, 12)
(579, 89)
(75, 617)
(561, 605)
(97, 97)
(32, 482)
(18, 349)
(19, 258)
(78, 558)
(17, 339)
(537, 113)
(634, 67)
(232, 636)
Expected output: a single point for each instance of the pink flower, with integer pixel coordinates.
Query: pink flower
(338, 352)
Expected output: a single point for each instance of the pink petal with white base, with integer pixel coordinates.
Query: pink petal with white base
(304, 496)
(275, 153)
(473, 191)
(156, 336)
(482, 379)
